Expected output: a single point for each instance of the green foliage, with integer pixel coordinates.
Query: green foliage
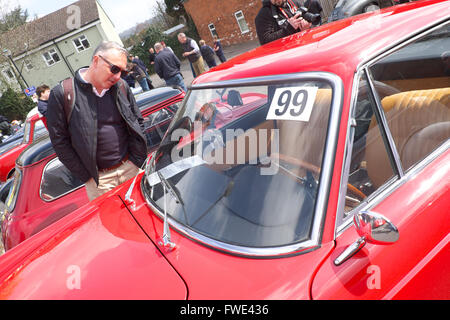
(15, 106)
(13, 19)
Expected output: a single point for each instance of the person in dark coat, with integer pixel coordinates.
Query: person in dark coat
(277, 19)
(218, 49)
(207, 54)
(43, 93)
(167, 67)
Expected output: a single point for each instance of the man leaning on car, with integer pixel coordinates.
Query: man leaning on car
(102, 142)
(277, 19)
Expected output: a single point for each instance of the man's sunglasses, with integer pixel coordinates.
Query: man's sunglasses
(113, 68)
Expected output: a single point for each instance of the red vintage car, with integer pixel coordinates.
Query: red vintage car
(44, 190)
(33, 129)
(314, 167)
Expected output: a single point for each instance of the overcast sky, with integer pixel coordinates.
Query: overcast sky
(124, 14)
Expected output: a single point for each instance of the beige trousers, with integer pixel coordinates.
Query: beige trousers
(199, 66)
(108, 180)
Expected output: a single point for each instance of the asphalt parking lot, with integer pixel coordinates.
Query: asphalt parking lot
(230, 52)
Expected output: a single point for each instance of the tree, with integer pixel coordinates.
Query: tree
(14, 105)
(12, 19)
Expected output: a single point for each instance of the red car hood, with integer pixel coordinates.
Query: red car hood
(97, 252)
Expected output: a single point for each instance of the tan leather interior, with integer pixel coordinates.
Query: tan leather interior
(419, 122)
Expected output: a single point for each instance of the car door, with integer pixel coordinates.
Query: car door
(400, 166)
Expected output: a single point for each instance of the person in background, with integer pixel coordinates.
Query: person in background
(207, 54)
(142, 65)
(5, 127)
(167, 67)
(151, 54)
(277, 19)
(43, 93)
(192, 52)
(166, 47)
(218, 49)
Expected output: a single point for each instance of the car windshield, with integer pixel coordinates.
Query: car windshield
(243, 163)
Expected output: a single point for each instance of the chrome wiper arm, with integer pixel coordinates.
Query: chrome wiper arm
(166, 238)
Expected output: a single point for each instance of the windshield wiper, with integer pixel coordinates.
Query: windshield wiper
(166, 238)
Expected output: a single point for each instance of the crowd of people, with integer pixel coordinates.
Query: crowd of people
(167, 65)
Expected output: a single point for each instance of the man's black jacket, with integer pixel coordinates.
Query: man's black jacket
(271, 24)
(166, 64)
(75, 143)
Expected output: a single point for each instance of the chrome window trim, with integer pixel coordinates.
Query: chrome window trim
(320, 209)
(42, 179)
(392, 184)
(384, 126)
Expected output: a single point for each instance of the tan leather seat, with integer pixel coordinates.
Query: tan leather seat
(418, 121)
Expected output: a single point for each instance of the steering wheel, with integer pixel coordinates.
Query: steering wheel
(308, 166)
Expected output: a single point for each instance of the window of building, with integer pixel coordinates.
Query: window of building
(51, 57)
(212, 29)
(28, 64)
(9, 74)
(241, 22)
(81, 43)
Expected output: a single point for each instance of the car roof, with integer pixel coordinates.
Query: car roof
(333, 47)
(38, 150)
(155, 96)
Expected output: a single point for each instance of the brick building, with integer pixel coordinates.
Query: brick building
(233, 21)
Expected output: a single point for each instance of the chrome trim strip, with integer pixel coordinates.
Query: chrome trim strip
(325, 178)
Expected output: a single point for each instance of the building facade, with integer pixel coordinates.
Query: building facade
(233, 21)
(49, 49)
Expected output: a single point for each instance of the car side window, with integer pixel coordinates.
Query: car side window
(418, 110)
(371, 164)
(156, 125)
(57, 181)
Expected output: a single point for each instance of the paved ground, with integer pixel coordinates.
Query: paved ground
(230, 52)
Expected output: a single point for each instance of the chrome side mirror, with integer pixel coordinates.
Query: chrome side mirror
(372, 228)
(375, 228)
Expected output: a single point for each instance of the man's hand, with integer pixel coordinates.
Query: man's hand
(297, 22)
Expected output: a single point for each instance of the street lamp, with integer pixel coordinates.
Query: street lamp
(7, 53)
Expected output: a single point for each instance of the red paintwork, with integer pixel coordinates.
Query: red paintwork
(8, 159)
(420, 213)
(118, 260)
(32, 214)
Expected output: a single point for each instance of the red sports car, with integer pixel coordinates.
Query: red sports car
(314, 167)
(44, 190)
(34, 129)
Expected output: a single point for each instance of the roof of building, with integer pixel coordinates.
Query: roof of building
(52, 26)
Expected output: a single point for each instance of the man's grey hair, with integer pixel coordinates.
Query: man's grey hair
(106, 46)
(158, 46)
